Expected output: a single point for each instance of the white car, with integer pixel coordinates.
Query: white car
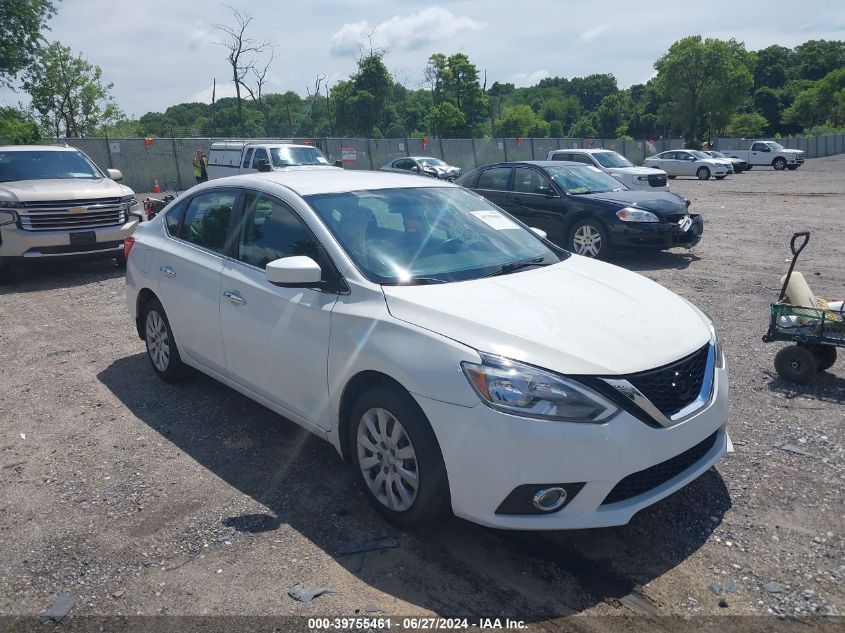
(690, 162)
(460, 361)
(616, 165)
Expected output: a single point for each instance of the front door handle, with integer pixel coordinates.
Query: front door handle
(167, 270)
(234, 297)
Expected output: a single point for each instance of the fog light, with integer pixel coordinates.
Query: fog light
(549, 499)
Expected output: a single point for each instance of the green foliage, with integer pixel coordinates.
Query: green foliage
(68, 94)
(21, 23)
(703, 83)
(821, 103)
(583, 128)
(747, 125)
(18, 127)
(814, 59)
(454, 80)
(519, 121)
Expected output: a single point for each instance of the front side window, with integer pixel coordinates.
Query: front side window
(427, 234)
(42, 165)
(759, 147)
(495, 179)
(206, 220)
(526, 180)
(586, 179)
(260, 155)
(272, 230)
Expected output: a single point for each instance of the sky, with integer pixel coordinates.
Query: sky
(158, 53)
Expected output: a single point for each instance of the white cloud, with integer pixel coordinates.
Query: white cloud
(588, 36)
(521, 80)
(409, 32)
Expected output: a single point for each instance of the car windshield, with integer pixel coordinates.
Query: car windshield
(434, 162)
(698, 154)
(428, 235)
(716, 154)
(612, 159)
(41, 165)
(583, 179)
(288, 156)
(775, 146)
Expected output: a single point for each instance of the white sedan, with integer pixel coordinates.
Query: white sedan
(689, 162)
(459, 360)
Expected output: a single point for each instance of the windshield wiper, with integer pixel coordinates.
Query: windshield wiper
(514, 266)
(416, 281)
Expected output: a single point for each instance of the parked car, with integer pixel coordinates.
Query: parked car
(738, 164)
(688, 162)
(458, 360)
(769, 153)
(583, 209)
(424, 166)
(56, 203)
(616, 165)
(230, 158)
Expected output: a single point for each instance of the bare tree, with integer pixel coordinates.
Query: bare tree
(256, 89)
(312, 111)
(242, 51)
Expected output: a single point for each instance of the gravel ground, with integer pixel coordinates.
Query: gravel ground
(136, 497)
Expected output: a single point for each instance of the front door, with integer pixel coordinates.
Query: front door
(276, 339)
(537, 203)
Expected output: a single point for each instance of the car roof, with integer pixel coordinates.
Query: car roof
(314, 181)
(38, 148)
(536, 163)
(584, 150)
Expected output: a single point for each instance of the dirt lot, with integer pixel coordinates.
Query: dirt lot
(136, 497)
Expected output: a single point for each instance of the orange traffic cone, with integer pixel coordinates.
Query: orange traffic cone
(156, 188)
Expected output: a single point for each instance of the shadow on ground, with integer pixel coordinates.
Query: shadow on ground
(34, 277)
(461, 569)
(654, 260)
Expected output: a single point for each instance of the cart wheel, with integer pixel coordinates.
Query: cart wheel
(825, 355)
(796, 364)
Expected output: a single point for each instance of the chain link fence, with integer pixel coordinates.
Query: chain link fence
(168, 161)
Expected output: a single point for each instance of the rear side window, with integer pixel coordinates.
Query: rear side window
(561, 156)
(206, 220)
(248, 157)
(495, 179)
(272, 230)
(582, 158)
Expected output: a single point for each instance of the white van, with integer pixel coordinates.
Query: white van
(231, 158)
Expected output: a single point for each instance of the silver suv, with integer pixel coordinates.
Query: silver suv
(55, 202)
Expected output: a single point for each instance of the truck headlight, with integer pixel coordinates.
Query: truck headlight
(630, 214)
(527, 391)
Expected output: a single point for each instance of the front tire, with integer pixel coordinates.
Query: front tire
(779, 163)
(588, 238)
(398, 459)
(161, 346)
(796, 364)
(703, 173)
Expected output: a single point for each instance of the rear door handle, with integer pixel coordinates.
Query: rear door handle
(167, 270)
(234, 297)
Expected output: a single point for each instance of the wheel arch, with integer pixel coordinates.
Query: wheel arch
(144, 297)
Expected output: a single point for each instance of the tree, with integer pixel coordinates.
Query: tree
(68, 93)
(519, 121)
(820, 103)
(816, 58)
(703, 83)
(583, 128)
(749, 125)
(241, 50)
(770, 66)
(455, 80)
(21, 23)
(18, 127)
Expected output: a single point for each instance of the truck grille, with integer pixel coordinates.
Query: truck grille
(657, 181)
(70, 215)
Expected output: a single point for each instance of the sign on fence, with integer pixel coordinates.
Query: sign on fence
(348, 154)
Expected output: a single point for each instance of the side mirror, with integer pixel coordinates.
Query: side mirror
(415, 168)
(338, 163)
(546, 191)
(114, 174)
(294, 272)
(262, 165)
(539, 232)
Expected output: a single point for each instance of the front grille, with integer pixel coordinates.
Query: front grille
(648, 479)
(86, 214)
(674, 218)
(657, 181)
(672, 387)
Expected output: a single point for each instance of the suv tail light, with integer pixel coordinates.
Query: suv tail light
(128, 243)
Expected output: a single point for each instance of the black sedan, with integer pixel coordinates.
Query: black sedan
(739, 165)
(583, 209)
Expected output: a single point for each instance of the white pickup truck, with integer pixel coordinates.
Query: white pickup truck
(231, 158)
(768, 153)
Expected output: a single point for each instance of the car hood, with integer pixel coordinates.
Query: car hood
(637, 171)
(662, 202)
(580, 316)
(45, 190)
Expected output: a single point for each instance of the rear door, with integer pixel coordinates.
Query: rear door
(190, 262)
(536, 202)
(276, 339)
(494, 184)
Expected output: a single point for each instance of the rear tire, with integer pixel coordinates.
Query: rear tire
(779, 163)
(796, 364)
(397, 459)
(161, 346)
(703, 173)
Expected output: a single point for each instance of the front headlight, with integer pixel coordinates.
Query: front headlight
(720, 356)
(129, 201)
(8, 217)
(527, 391)
(630, 214)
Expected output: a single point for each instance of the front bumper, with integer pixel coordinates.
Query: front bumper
(19, 244)
(657, 235)
(488, 454)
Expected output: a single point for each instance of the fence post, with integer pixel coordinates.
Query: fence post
(176, 162)
(505, 148)
(407, 147)
(440, 143)
(532, 148)
(108, 151)
(370, 155)
(474, 153)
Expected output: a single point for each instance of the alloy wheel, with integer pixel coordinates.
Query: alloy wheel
(387, 459)
(158, 342)
(587, 241)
